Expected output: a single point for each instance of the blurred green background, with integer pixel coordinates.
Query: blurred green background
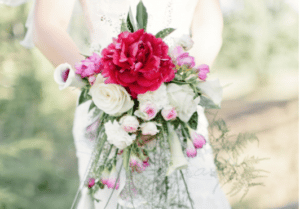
(38, 168)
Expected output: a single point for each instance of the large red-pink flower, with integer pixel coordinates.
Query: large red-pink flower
(138, 61)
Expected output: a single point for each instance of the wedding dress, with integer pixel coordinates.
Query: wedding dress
(103, 18)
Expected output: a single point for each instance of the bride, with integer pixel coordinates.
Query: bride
(202, 19)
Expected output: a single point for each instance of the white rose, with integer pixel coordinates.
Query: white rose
(149, 128)
(182, 98)
(158, 97)
(117, 136)
(113, 99)
(129, 123)
(64, 76)
(185, 41)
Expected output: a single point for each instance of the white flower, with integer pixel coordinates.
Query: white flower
(64, 76)
(117, 136)
(129, 123)
(149, 128)
(185, 41)
(182, 98)
(178, 160)
(169, 113)
(146, 111)
(158, 97)
(212, 89)
(113, 99)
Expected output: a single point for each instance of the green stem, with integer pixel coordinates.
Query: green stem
(186, 188)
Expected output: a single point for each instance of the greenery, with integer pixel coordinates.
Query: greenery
(38, 167)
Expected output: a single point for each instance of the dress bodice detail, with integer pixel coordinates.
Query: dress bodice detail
(105, 17)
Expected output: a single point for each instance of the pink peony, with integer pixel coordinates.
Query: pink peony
(202, 71)
(91, 182)
(89, 67)
(190, 150)
(182, 58)
(138, 61)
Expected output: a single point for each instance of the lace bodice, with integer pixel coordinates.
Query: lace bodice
(104, 17)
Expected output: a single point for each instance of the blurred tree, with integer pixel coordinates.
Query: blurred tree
(37, 164)
(261, 36)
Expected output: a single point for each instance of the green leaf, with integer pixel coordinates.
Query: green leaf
(84, 96)
(141, 16)
(207, 103)
(165, 32)
(130, 22)
(193, 122)
(92, 106)
(124, 26)
(126, 157)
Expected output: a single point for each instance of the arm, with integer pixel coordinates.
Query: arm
(207, 29)
(51, 21)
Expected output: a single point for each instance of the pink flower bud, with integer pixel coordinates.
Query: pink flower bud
(198, 140)
(190, 150)
(129, 123)
(91, 182)
(136, 164)
(169, 113)
(202, 71)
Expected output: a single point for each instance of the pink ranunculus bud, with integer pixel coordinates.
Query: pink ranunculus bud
(91, 182)
(136, 164)
(146, 162)
(147, 111)
(202, 71)
(129, 123)
(198, 140)
(105, 176)
(190, 150)
(149, 128)
(92, 79)
(169, 113)
(113, 182)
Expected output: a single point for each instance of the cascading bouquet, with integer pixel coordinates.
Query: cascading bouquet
(143, 93)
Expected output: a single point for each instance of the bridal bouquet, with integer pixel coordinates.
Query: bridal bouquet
(143, 94)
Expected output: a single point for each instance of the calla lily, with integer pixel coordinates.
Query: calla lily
(64, 76)
(177, 158)
(212, 89)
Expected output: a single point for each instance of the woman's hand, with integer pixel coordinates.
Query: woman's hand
(51, 21)
(207, 29)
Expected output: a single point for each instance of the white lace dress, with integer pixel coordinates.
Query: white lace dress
(104, 20)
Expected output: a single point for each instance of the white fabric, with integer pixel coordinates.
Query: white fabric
(13, 3)
(27, 41)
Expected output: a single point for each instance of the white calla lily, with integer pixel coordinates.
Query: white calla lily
(212, 89)
(64, 76)
(178, 160)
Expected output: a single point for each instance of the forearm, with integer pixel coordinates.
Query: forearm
(50, 31)
(56, 45)
(207, 29)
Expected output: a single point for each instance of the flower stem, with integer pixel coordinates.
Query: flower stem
(186, 187)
